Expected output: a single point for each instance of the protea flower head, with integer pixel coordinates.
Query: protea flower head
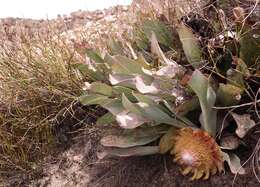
(197, 152)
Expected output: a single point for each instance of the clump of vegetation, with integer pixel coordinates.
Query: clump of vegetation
(39, 111)
(155, 89)
(36, 85)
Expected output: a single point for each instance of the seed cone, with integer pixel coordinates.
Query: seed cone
(198, 153)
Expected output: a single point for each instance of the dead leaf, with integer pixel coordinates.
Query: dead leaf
(234, 163)
(229, 142)
(244, 124)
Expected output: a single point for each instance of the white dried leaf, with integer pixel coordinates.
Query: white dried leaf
(244, 124)
(86, 86)
(116, 79)
(148, 72)
(234, 163)
(129, 120)
(143, 88)
(170, 71)
(143, 105)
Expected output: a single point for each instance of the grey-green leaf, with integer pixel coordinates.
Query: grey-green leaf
(94, 99)
(207, 98)
(137, 137)
(156, 50)
(114, 106)
(124, 65)
(85, 70)
(122, 80)
(190, 45)
(127, 152)
(128, 105)
(187, 106)
(94, 56)
(120, 90)
(115, 47)
(106, 119)
(101, 88)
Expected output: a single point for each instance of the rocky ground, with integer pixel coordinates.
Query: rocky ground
(78, 27)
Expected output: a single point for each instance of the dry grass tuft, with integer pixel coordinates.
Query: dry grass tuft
(36, 83)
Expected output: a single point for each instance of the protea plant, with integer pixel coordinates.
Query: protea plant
(151, 101)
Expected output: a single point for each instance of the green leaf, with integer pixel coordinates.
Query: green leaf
(154, 113)
(115, 47)
(161, 31)
(170, 68)
(234, 163)
(190, 45)
(123, 65)
(250, 46)
(167, 141)
(101, 88)
(178, 116)
(236, 77)
(141, 60)
(151, 101)
(207, 98)
(136, 137)
(170, 71)
(132, 107)
(107, 118)
(242, 68)
(93, 99)
(155, 49)
(93, 55)
(127, 152)
(114, 106)
(120, 90)
(229, 94)
(187, 106)
(150, 110)
(144, 99)
(85, 70)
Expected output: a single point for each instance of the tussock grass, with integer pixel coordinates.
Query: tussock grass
(36, 83)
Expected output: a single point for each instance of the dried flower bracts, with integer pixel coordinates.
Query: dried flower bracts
(197, 152)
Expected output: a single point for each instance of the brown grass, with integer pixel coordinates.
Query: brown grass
(36, 83)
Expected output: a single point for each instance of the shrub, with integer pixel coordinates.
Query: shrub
(153, 98)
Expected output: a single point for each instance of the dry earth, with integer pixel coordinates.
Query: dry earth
(79, 166)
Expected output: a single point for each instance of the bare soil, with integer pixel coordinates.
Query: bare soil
(79, 166)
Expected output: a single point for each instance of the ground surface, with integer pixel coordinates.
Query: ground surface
(79, 166)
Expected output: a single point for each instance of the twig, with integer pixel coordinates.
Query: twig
(237, 106)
